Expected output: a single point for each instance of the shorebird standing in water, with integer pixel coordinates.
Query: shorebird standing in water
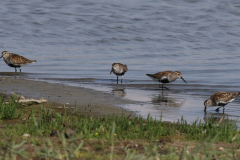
(220, 99)
(166, 77)
(119, 70)
(14, 60)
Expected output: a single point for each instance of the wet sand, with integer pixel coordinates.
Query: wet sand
(182, 100)
(59, 95)
(137, 97)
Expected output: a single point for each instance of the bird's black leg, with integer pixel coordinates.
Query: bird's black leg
(15, 69)
(117, 79)
(167, 88)
(121, 79)
(223, 109)
(20, 69)
(164, 87)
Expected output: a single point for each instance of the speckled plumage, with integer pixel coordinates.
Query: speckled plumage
(166, 77)
(15, 60)
(221, 99)
(119, 70)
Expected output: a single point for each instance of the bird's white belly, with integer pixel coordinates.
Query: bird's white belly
(118, 72)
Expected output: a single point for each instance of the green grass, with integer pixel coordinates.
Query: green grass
(41, 121)
(9, 111)
(75, 148)
(106, 132)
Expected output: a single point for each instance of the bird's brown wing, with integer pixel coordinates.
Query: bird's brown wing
(15, 58)
(162, 75)
(125, 68)
(225, 97)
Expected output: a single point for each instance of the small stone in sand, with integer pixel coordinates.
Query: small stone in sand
(26, 135)
(69, 133)
(221, 149)
(54, 133)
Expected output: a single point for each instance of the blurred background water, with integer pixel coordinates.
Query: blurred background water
(73, 40)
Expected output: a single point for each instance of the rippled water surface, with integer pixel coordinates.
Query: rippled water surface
(72, 40)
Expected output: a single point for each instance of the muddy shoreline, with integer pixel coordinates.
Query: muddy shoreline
(89, 101)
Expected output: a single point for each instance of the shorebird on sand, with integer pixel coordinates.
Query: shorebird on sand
(119, 70)
(220, 99)
(166, 77)
(14, 60)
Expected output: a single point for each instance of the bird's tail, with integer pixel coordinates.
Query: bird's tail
(150, 75)
(153, 77)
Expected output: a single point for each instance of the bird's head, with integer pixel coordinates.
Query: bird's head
(179, 75)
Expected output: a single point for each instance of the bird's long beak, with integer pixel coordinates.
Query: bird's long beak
(183, 80)
(1, 57)
(111, 71)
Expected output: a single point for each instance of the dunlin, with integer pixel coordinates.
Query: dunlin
(220, 99)
(166, 77)
(14, 60)
(119, 70)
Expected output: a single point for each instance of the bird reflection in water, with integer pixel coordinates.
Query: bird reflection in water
(120, 92)
(167, 100)
(216, 117)
(12, 74)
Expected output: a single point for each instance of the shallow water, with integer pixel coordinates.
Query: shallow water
(81, 39)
